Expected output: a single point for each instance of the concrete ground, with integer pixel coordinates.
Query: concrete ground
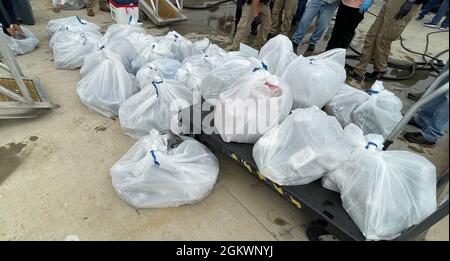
(54, 170)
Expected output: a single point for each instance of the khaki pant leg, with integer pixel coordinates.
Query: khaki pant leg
(103, 2)
(390, 33)
(290, 6)
(90, 3)
(276, 13)
(243, 27)
(370, 42)
(266, 22)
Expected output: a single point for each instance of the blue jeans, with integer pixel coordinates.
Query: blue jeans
(427, 8)
(443, 10)
(300, 10)
(323, 11)
(433, 118)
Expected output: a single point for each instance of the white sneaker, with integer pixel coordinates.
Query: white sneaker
(443, 28)
(429, 25)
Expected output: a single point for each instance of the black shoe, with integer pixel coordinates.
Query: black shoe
(414, 96)
(270, 36)
(412, 122)
(374, 76)
(418, 18)
(311, 48)
(254, 30)
(417, 137)
(295, 46)
(351, 72)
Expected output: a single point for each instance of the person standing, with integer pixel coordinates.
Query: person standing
(394, 16)
(301, 6)
(254, 13)
(323, 10)
(11, 24)
(289, 7)
(103, 6)
(432, 121)
(443, 10)
(350, 13)
(427, 8)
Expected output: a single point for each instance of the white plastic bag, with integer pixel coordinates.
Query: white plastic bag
(380, 113)
(123, 48)
(90, 62)
(385, 192)
(71, 46)
(278, 54)
(168, 67)
(180, 46)
(140, 41)
(21, 44)
(205, 46)
(304, 147)
(223, 77)
(123, 30)
(156, 106)
(256, 103)
(72, 21)
(150, 53)
(193, 70)
(147, 74)
(154, 175)
(107, 86)
(345, 102)
(69, 4)
(164, 68)
(315, 80)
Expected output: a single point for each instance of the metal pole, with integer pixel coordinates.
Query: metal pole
(429, 95)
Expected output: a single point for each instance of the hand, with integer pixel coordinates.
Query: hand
(365, 6)
(17, 29)
(11, 32)
(256, 21)
(404, 10)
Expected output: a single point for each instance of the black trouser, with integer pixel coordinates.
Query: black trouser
(347, 19)
(9, 15)
(238, 13)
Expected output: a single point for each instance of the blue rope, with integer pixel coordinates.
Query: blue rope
(370, 143)
(263, 67)
(154, 158)
(156, 87)
(372, 91)
(79, 20)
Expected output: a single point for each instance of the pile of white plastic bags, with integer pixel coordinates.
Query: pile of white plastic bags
(376, 110)
(72, 39)
(273, 101)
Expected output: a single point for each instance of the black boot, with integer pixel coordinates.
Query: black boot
(374, 76)
(418, 138)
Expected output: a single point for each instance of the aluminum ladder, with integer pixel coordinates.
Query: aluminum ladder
(162, 12)
(20, 96)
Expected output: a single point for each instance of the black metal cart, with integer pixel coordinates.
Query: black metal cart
(323, 205)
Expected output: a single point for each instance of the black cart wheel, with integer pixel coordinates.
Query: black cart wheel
(316, 232)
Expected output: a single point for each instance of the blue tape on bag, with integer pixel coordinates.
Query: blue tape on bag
(370, 143)
(156, 87)
(154, 157)
(79, 20)
(372, 91)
